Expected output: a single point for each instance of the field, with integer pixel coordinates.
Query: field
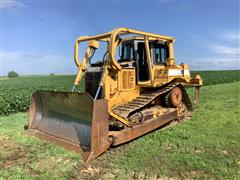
(15, 93)
(218, 77)
(207, 146)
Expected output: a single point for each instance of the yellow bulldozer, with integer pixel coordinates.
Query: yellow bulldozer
(133, 87)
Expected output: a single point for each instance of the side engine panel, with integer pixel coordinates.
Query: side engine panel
(127, 79)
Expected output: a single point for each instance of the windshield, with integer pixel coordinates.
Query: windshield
(127, 51)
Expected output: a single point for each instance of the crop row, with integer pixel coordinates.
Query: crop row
(15, 93)
(218, 77)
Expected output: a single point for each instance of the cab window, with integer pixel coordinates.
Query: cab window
(160, 53)
(127, 51)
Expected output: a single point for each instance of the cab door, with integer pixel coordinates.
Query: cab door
(142, 66)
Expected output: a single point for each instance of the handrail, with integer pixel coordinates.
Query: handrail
(111, 37)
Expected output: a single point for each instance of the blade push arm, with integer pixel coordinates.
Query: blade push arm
(82, 66)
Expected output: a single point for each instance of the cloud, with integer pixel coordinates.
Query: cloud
(216, 63)
(230, 35)
(32, 56)
(225, 49)
(220, 51)
(11, 5)
(26, 63)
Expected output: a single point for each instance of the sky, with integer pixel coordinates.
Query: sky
(37, 37)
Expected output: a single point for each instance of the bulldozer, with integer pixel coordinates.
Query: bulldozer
(133, 87)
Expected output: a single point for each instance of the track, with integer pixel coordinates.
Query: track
(144, 99)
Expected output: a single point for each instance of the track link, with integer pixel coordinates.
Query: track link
(144, 99)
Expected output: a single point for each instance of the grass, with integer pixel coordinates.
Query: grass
(207, 146)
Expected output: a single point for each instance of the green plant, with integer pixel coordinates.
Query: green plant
(13, 74)
(15, 93)
(218, 77)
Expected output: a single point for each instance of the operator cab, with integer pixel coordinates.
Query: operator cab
(133, 55)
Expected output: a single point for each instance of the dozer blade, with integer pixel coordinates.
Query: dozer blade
(71, 119)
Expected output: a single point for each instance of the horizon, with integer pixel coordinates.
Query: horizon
(50, 74)
(37, 38)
